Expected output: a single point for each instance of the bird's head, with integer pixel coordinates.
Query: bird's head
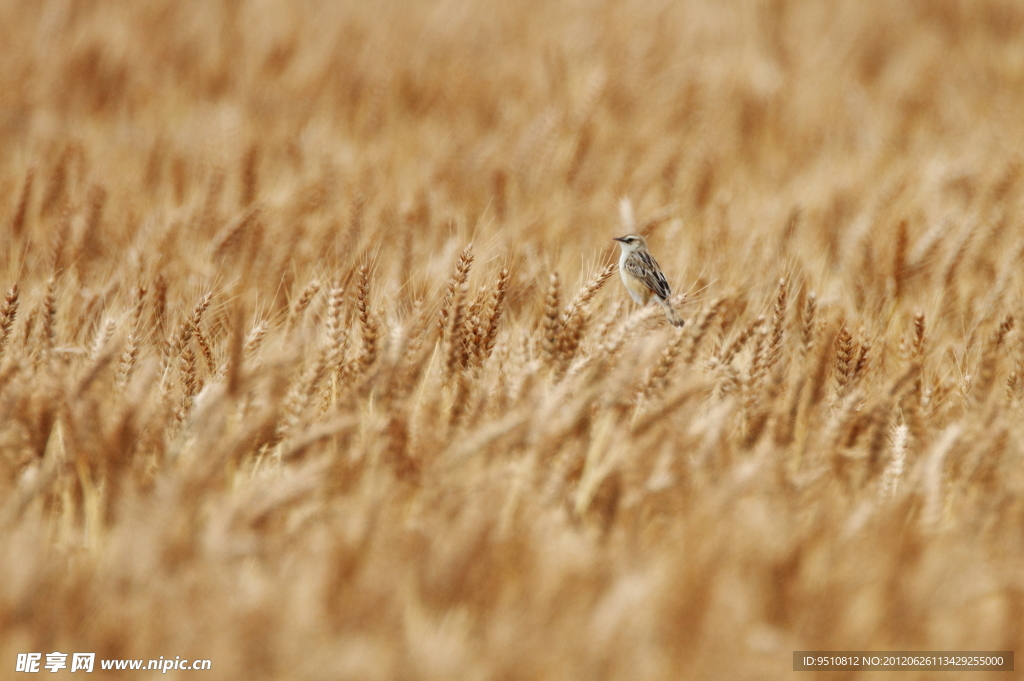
(632, 242)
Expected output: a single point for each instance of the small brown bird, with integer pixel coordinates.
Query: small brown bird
(642, 276)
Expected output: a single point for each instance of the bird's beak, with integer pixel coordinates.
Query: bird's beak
(619, 239)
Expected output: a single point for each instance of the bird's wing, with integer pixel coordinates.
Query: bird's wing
(644, 267)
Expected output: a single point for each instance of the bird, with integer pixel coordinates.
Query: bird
(642, 276)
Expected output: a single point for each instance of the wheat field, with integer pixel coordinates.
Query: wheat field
(314, 360)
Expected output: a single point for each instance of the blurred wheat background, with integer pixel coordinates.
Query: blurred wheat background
(312, 361)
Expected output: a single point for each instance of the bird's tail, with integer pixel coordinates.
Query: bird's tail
(670, 312)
